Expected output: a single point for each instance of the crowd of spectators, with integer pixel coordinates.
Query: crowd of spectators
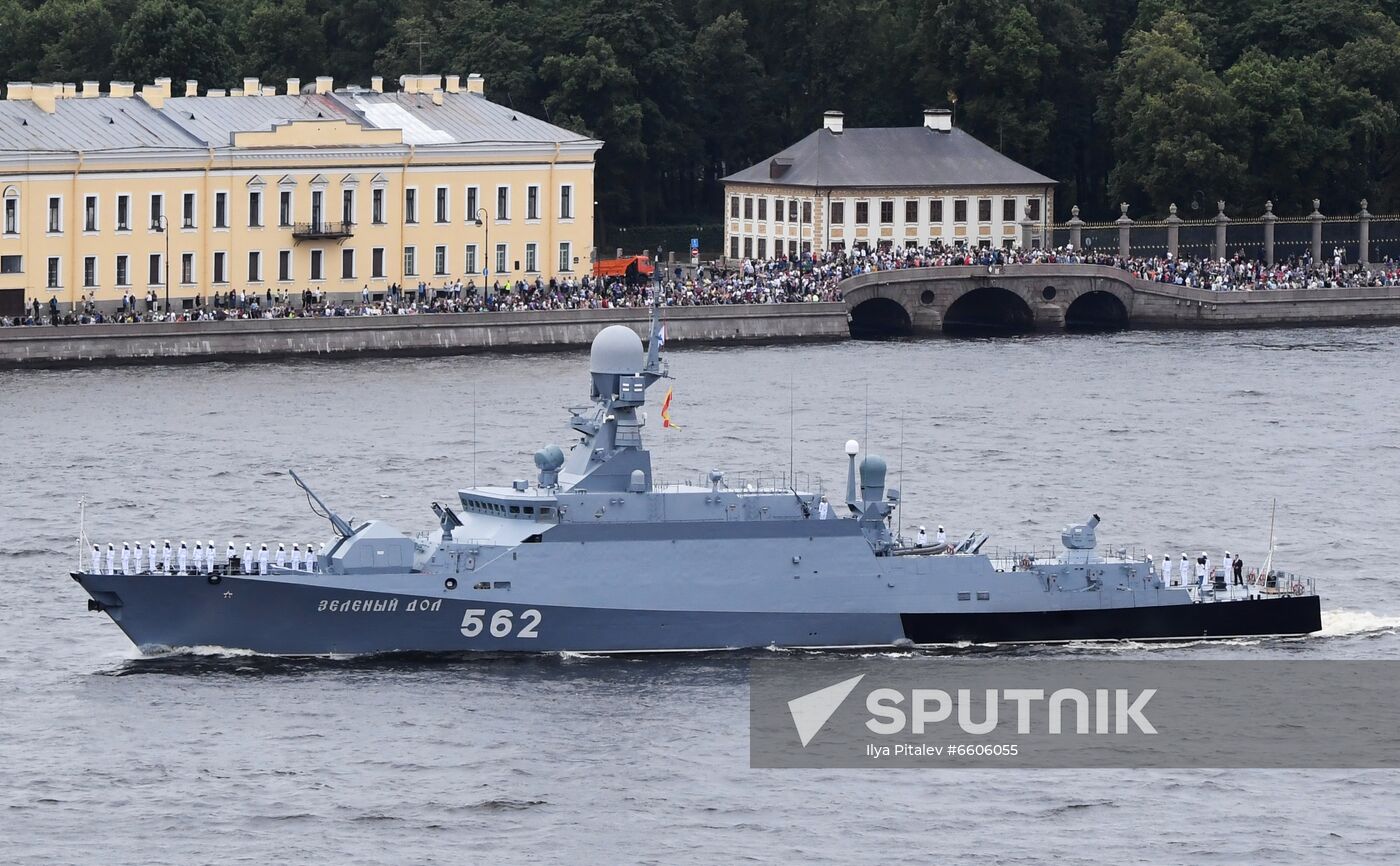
(774, 281)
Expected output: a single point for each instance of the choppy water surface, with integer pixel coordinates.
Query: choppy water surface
(1180, 442)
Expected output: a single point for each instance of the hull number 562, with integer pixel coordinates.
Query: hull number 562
(501, 624)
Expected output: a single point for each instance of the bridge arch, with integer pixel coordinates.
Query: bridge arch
(1096, 310)
(878, 318)
(988, 311)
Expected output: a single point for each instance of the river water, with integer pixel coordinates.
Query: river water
(1181, 441)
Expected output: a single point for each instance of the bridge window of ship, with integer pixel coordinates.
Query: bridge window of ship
(502, 584)
(984, 596)
(515, 509)
(482, 584)
(964, 596)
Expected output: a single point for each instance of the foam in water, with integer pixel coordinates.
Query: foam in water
(1342, 622)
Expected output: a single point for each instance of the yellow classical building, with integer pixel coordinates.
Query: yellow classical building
(117, 192)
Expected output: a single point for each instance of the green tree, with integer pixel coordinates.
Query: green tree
(1169, 118)
(169, 38)
(282, 39)
(74, 38)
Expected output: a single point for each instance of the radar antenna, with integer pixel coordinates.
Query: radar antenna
(342, 528)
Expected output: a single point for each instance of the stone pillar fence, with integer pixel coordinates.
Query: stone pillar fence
(1359, 237)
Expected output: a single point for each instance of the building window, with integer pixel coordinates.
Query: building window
(440, 261)
(318, 271)
(12, 216)
(911, 210)
(886, 212)
(960, 210)
(55, 214)
(55, 264)
(862, 213)
(502, 203)
(566, 202)
(984, 210)
(733, 207)
(838, 212)
(187, 268)
(123, 272)
(347, 206)
(469, 261)
(748, 207)
(410, 261)
(123, 213)
(807, 212)
(935, 211)
(318, 212)
(376, 263)
(90, 213)
(532, 202)
(254, 266)
(763, 209)
(441, 204)
(1008, 210)
(187, 210)
(1034, 206)
(792, 211)
(500, 258)
(220, 210)
(531, 258)
(566, 257)
(376, 207)
(734, 248)
(410, 206)
(89, 271)
(220, 268)
(347, 264)
(11, 264)
(748, 248)
(157, 209)
(284, 208)
(284, 265)
(763, 248)
(254, 209)
(153, 270)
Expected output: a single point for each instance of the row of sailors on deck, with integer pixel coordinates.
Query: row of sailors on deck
(132, 559)
(1204, 570)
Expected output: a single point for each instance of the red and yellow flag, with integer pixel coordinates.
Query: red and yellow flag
(666, 410)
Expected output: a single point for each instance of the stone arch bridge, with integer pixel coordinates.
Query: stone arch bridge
(1021, 299)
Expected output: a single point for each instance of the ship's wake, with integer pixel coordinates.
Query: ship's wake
(1344, 622)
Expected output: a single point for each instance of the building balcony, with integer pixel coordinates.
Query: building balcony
(324, 230)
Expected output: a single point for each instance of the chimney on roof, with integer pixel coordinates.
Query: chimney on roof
(19, 91)
(216, 92)
(252, 87)
(437, 96)
(269, 90)
(164, 84)
(70, 90)
(123, 89)
(834, 122)
(454, 84)
(91, 89)
(376, 83)
(431, 83)
(43, 96)
(938, 119)
(235, 91)
(191, 87)
(476, 84)
(293, 86)
(154, 96)
(324, 84)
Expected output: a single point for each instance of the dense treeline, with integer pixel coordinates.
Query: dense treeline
(1151, 102)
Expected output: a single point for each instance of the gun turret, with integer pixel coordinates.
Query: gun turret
(1080, 536)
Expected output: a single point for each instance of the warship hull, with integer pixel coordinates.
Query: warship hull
(254, 613)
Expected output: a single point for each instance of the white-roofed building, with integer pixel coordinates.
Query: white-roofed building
(285, 188)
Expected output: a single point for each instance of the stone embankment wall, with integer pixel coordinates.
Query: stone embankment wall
(405, 335)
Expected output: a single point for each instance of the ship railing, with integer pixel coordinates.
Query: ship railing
(745, 482)
(1285, 585)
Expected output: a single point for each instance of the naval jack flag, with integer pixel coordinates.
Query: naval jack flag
(666, 410)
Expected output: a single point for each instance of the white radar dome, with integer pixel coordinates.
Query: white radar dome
(616, 349)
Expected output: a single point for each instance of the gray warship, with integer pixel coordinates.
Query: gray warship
(594, 556)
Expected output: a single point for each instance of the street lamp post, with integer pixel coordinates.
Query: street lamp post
(483, 219)
(162, 225)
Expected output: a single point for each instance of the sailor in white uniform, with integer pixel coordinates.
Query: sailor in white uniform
(1167, 570)
(823, 509)
(281, 560)
(137, 556)
(198, 565)
(165, 557)
(229, 555)
(111, 559)
(296, 557)
(311, 557)
(209, 558)
(1201, 562)
(262, 560)
(921, 540)
(151, 554)
(126, 558)
(184, 557)
(96, 559)
(941, 539)
(247, 559)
